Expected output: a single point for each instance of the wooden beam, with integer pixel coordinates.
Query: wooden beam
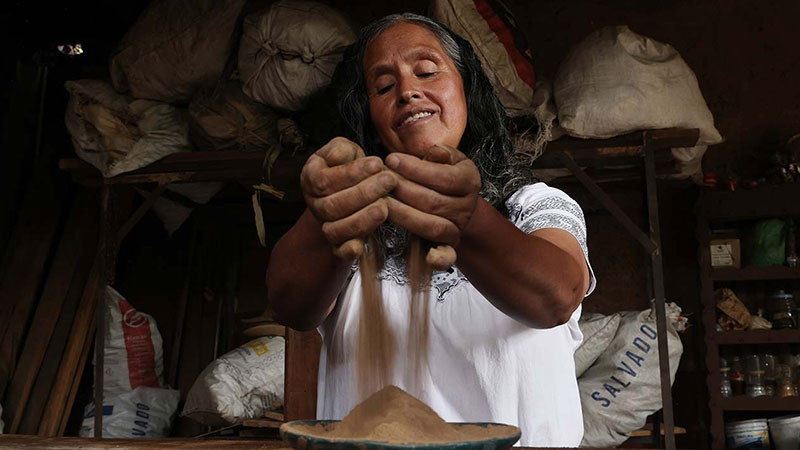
(302, 363)
(608, 203)
(77, 233)
(71, 361)
(23, 269)
(37, 402)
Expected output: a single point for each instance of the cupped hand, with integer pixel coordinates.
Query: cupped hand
(434, 197)
(346, 191)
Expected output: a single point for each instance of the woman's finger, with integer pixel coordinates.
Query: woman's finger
(461, 178)
(428, 200)
(347, 201)
(358, 224)
(340, 151)
(441, 257)
(424, 225)
(322, 180)
(349, 250)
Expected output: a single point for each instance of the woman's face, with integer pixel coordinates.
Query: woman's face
(416, 96)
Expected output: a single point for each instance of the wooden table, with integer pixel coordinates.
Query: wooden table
(17, 441)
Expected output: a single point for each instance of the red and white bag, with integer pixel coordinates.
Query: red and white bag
(489, 27)
(133, 353)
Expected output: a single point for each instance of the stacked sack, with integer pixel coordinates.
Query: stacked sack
(136, 401)
(616, 81)
(181, 53)
(289, 52)
(619, 378)
(500, 47)
(241, 384)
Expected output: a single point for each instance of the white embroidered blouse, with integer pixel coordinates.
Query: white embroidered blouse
(485, 366)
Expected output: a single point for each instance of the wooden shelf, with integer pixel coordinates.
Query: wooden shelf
(743, 403)
(756, 273)
(758, 337)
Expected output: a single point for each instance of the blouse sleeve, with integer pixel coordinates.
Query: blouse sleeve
(538, 206)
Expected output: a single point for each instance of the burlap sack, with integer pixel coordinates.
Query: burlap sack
(491, 34)
(289, 52)
(225, 118)
(174, 48)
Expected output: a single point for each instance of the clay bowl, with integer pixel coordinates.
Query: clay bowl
(296, 433)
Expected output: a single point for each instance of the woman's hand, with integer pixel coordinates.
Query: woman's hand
(346, 192)
(436, 196)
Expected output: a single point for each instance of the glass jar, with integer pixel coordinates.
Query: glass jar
(781, 307)
(754, 380)
(786, 387)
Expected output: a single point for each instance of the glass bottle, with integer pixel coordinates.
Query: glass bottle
(754, 377)
(770, 376)
(724, 376)
(737, 376)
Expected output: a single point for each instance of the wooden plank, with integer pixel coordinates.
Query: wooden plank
(34, 409)
(668, 137)
(40, 443)
(24, 267)
(262, 423)
(758, 337)
(275, 415)
(69, 368)
(77, 232)
(302, 364)
(756, 273)
(744, 403)
(76, 381)
(647, 431)
(609, 204)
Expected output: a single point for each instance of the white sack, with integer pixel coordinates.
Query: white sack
(174, 48)
(117, 134)
(241, 384)
(289, 52)
(616, 81)
(133, 353)
(142, 413)
(509, 71)
(598, 331)
(623, 387)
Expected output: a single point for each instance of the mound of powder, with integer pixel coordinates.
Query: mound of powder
(395, 417)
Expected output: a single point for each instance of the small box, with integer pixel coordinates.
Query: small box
(726, 252)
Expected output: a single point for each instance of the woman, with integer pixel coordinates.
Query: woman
(504, 327)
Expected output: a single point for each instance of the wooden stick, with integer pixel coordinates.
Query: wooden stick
(69, 368)
(37, 401)
(56, 288)
(76, 381)
(24, 266)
